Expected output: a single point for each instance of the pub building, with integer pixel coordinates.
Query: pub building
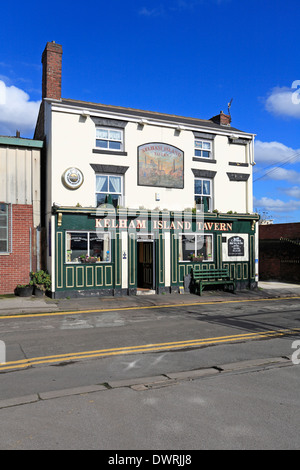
(134, 200)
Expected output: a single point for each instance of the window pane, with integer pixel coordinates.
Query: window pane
(3, 246)
(3, 233)
(206, 187)
(102, 144)
(100, 199)
(101, 183)
(187, 246)
(76, 245)
(102, 133)
(204, 246)
(198, 144)
(115, 184)
(206, 145)
(115, 145)
(3, 220)
(100, 246)
(115, 135)
(198, 153)
(198, 186)
(205, 154)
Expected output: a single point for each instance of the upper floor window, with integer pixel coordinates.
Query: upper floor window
(109, 139)
(203, 149)
(4, 232)
(109, 190)
(203, 193)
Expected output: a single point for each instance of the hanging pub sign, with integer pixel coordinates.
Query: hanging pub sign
(236, 246)
(160, 165)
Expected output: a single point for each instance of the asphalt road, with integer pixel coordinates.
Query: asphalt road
(188, 377)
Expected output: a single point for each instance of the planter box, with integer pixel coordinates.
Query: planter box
(24, 291)
(38, 292)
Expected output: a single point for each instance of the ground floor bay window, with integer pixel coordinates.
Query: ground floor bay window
(194, 247)
(88, 246)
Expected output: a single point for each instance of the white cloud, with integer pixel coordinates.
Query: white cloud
(17, 112)
(275, 206)
(177, 6)
(152, 11)
(281, 174)
(275, 152)
(294, 192)
(284, 101)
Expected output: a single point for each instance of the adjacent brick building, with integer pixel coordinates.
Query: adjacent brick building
(279, 252)
(19, 210)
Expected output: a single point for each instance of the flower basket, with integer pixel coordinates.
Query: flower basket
(196, 259)
(88, 259)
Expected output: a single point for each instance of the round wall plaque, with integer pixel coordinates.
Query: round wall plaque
(72, 178)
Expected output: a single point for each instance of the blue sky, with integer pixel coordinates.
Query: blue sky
(185, 57)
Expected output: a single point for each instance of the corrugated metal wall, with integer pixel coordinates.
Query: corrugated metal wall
(20, 177)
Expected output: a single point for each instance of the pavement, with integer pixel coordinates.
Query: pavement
(21, 305)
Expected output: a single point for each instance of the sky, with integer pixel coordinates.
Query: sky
(184, 57)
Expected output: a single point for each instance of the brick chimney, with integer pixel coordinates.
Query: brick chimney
(222, 119)
(51, 81)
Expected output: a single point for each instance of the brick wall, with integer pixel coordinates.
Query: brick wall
(279, 252)
(52, 64)
(15, 267)
(276, 231)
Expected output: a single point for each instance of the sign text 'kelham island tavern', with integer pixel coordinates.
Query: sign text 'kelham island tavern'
(135, 200)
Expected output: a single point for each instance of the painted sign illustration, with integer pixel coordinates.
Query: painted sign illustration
(160, 165)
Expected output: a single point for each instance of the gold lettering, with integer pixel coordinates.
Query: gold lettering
(141, 224)
(123, 223)
(98, 223)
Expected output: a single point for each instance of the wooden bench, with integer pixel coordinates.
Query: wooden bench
(205, 277)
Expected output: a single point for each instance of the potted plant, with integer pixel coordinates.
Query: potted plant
(24, 290)
(41, 281)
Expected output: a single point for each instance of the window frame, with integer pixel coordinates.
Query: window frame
(8, 229)
(201, 150)
(88, 232)
(209, 196)
(121, 194)
(108, 140)
(211, 258)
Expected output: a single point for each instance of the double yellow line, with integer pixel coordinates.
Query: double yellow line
(147, 307)
(30, 362)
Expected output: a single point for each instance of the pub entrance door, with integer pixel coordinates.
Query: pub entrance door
(146, 264)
